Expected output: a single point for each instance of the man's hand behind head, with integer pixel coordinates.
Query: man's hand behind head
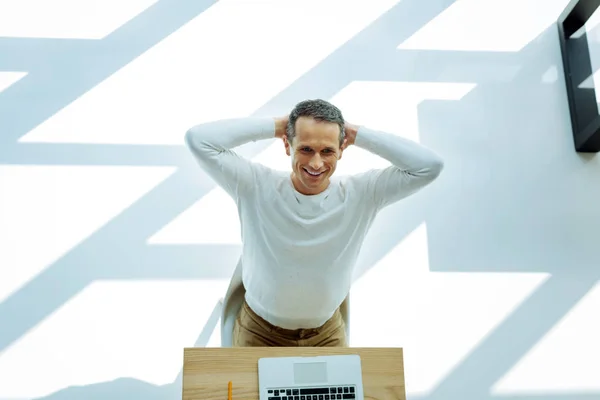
(281, 126)
(350, 131)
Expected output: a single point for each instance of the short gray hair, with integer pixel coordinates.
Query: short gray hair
(318, 109)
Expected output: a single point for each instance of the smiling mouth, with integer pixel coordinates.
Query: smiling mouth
(314, 174)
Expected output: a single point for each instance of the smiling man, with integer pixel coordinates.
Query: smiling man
(302, 231)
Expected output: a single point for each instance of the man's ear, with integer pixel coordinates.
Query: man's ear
(288, 146)
(342, 148)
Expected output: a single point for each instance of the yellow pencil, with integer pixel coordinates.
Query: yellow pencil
(229, 391)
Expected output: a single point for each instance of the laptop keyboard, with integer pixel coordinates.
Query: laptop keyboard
(313, 393)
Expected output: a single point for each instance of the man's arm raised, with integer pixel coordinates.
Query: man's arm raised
(211, 145)
(413, 165)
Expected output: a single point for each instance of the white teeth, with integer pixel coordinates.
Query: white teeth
(313, 173)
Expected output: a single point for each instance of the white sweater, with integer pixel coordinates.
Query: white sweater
(299, 251)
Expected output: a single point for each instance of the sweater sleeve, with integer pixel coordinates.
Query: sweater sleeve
(211, 145)
(413, 166)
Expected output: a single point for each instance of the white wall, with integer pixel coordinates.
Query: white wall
(115, 248)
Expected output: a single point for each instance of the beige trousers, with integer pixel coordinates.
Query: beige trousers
(250, 330)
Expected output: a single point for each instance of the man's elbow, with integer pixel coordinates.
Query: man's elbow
(199, 140)
(189, 136)
(436, 168)
(431, 169)
(193, 137)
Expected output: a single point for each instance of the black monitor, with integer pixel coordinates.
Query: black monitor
(580, 48)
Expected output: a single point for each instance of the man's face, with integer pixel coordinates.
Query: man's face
(315, 151)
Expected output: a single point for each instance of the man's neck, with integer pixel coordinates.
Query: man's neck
(303, 190)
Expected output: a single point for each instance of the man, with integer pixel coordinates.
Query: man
(302, 231)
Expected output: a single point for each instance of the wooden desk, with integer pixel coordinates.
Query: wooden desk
(207, 371)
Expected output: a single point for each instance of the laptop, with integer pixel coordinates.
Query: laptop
(336, 377)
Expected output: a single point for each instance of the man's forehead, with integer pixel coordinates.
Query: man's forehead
(318, 132)
(317, 140)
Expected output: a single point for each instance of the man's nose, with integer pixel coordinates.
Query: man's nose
(316, 162)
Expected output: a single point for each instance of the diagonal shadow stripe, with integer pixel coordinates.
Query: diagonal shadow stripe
(575, 395)
(30, 54)
(532, 320)
(209, 327)
(64, 76)
(95, 154)
(548, 396)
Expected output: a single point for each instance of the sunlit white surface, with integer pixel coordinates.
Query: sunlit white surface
(592, 31)
(592, 81)
(275, 157)
(212, 219)
(127, 329)
(551, 75)
(47, 210)
(215, 337)
(66, 19)
(7, 78)
(390, 106)
(486, 25)
(221, 64)
(437, 318)
(566, 360)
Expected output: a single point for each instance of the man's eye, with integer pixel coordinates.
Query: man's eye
(305, 149)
